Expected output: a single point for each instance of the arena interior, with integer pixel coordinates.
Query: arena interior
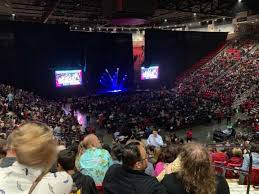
(129, 97)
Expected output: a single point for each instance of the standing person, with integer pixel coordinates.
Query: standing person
(155, 139)
(36, 152)
(95, 161)
(130, 178)
(196, 175)
(189, 135)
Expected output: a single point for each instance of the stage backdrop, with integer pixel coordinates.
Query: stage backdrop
(176, 51)
(30, 53)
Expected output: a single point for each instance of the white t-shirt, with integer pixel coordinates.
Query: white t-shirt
(18, 179)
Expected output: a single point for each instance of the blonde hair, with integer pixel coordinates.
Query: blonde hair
(237, 152)
(34, 145)
(197, 173)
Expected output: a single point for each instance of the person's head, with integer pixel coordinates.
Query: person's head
(134, 156)
(196, 171)
(66, 160)
(169, 154)
(155, 132)
(106, 147)
(34, 145)
(237, 152)
(116, 152)
(91, 141)
(254, 147)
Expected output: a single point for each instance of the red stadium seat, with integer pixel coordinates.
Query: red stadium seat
(220, 170)
(100, 189)
(255, 176)
(231, 174)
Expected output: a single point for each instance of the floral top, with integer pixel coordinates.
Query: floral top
(94, 163)
(18, 179)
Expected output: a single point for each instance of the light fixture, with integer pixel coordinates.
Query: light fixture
(83, 28)
(194, 14)
(239, 1)
(13, 15)
(75, 28)
(165, 20)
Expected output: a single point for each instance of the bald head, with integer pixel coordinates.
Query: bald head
(91, 141)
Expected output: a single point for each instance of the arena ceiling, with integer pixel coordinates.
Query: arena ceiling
(89, 13)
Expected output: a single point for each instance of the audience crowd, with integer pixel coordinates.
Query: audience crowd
(44, 149)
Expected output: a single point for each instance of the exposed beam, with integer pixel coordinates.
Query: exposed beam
(46, 16)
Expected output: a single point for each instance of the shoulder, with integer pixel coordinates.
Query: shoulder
(58, 177)
(115, 167)
(222, 185)
(5, 171)
(170, 177)
(59, 182)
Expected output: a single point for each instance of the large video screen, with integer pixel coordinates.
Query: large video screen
(68, 78)
(149, 73)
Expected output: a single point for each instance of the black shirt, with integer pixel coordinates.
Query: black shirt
(122, 180)
(85, 183)
(175, 186)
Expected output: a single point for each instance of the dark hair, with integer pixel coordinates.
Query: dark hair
(169, 154)
(254, 147)
(117, 151)
(66, 159)
(2, 148)
(107, 147)
(131, 154)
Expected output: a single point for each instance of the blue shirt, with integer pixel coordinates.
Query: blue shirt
(246, 161)
(95, 163)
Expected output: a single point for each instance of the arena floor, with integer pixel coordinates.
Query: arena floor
(201, 133)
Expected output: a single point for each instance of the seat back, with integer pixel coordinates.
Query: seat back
(220, 170)
(100, 189)
(255, 176)
(232, 174)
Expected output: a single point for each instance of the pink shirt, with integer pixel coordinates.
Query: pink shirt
(160, 166)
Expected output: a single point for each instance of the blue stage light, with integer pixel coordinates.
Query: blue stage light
(113, 82)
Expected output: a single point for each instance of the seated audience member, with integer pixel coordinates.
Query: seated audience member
(80, 150)
(167, 156)
(175, 166)
(129, 178)
(196, 175)
(246, 161)
(219, 155)
(107, 147)
(255, 156)
(10, 157)
(2, 148)
(116, 153)
(36, 152)
(95, 161)
(236, 156)
(84, 184)
(155, 139)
